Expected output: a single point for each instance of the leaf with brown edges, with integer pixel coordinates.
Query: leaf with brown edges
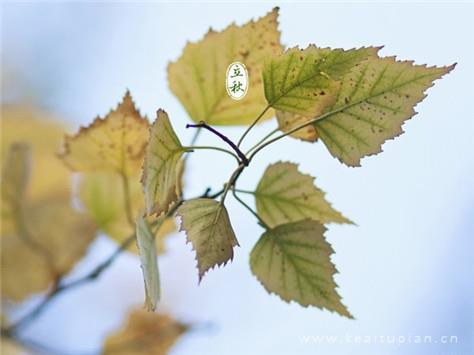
(115, 143)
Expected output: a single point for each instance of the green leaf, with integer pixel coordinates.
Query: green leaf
(375, 99)
(161, 171)
(293, 261)
(198, 77)
(208, 228)
(304, 81)
(147, 249)
(286, 195)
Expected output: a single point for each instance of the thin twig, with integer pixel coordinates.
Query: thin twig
(249, 128)
(241, 155)
(232, 180)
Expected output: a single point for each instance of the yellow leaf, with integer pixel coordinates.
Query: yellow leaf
(288, 121)
(198, 77)
(42, 236)
(48, 239)
(162, 171)
(43, 133)
(293, 261)
(102, 195)
(9, 346)
(208, 228)
(115, 143)
(286, 195)
(145, 334)
(16, 174)
(15, 177)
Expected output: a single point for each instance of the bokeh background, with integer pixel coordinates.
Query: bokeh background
(406, 269)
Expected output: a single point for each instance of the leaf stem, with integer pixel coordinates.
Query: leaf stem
(233, 178)
(191, 148)
(242, 202)
(262, 140)
(241, 155)
(249, 128)
(245, 191)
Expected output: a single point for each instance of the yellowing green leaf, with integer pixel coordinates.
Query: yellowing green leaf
(145, 334)
(208, 228)
(293, 261)
(115, 143)
(198, 77)
(43, 133)
(102, 195)
(48, 239)
(149, 264)
(42, 236)
(375, 99)
(161, 171)
(286, 195)
(287, 121)
(304, 81)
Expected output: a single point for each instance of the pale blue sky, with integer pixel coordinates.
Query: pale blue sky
(406, 269)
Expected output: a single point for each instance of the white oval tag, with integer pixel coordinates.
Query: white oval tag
(237, 80)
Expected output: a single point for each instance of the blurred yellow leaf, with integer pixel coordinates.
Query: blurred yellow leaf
(49, 238)
(115, 143)
(11, 347)
(42, 236)
(198, 77)
(145, 334)
(44, 135)
(15, 176)
(102, 195)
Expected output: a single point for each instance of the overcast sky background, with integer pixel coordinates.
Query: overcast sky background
(405, 269)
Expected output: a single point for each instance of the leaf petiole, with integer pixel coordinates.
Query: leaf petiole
(243, 203)
(262, 140)
(191, 148)
(249, 128)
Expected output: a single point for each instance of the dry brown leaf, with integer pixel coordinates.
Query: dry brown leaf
(145, 333)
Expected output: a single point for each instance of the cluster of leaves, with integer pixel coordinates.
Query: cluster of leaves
(131, 171)
(352, 100)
